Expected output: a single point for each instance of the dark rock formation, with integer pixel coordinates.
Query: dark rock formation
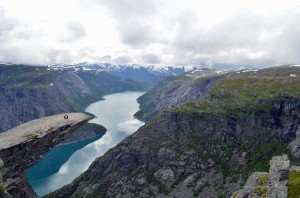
(89, 130)
(23, 146)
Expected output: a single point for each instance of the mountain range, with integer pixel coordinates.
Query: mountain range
(150, 74)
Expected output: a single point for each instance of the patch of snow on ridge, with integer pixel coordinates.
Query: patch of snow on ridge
(249, 70)
(135, 66)
(188, 68)
(196, 70)
(158, 69)
(293, 75)
(222, 71)
(5, 63)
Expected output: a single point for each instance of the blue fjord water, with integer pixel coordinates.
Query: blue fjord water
(64, 163)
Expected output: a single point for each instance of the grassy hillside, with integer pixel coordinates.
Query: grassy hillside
(241, 92)
(25, 77)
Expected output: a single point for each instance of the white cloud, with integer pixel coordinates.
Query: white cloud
(74, 31)
(169, 32)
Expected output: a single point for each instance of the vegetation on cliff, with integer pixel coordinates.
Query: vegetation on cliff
(238, 94)
(294, 184)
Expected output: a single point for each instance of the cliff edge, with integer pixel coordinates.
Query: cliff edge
(25, 145)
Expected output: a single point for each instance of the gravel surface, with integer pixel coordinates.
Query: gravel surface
(38, 128)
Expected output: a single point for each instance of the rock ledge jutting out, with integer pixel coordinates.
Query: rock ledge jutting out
(25, 145)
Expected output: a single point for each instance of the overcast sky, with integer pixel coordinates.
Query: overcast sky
(163, 32)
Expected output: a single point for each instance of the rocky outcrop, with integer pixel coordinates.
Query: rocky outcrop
(278, 177)
(273, 184)
(23, 146)
(251, 186)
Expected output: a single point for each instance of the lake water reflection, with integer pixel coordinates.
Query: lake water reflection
(116, 114)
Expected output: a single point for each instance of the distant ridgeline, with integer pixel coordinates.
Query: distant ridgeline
(149, 74)
(207, 132)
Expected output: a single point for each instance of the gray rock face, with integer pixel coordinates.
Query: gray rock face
(294, 145)
(165, 176)
(249, 187)
(176, 91)
(278, 177)
(23, 146)
(276, 186)
(20, 105)
(295, 168)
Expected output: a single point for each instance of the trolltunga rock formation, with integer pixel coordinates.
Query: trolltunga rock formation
(25, 145)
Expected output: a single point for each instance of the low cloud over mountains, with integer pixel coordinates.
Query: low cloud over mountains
(150, 32)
